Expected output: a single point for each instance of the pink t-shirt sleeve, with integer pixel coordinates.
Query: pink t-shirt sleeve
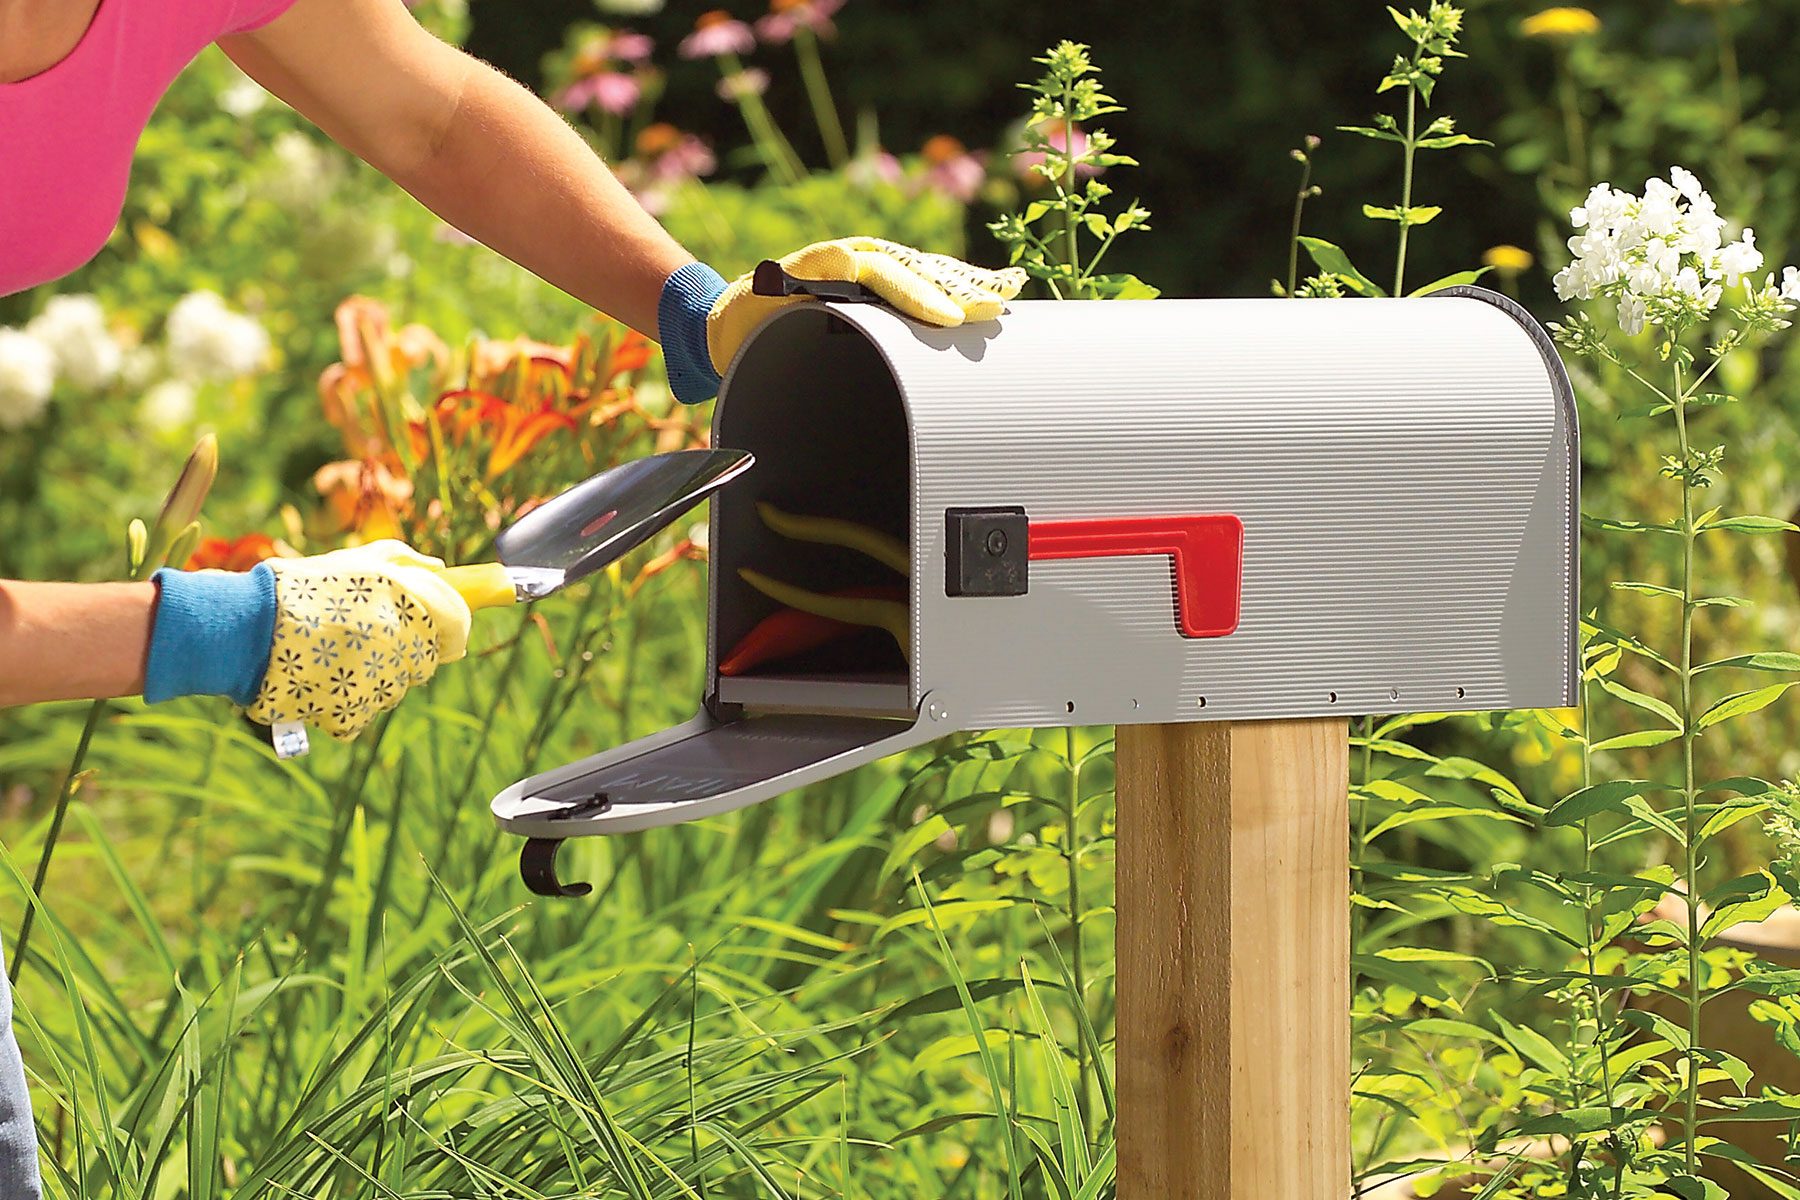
(247, 15)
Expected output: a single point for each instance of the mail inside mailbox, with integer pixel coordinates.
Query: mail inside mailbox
(830, 493)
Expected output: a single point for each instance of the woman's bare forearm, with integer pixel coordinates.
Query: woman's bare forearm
(73, 641)
(512, 175)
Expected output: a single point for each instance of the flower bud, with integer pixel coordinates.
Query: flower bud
(137, 540)
(184, 545)
(182, 507)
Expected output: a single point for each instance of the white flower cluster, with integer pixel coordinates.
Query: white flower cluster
(68, 340)
(74, 327)
(27, 373)
(207, 341)
(1662, 257)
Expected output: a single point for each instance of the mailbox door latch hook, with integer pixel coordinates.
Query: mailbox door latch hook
(537, 867)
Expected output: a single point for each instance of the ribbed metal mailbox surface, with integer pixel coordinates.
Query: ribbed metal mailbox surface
(1404, 472)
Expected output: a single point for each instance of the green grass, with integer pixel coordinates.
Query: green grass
(322, 978)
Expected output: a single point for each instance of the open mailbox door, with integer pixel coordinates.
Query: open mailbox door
(700, 768)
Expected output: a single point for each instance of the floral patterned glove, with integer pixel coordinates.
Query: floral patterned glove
(703, 321)
(354, 629)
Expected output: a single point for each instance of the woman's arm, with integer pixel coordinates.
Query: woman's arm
(475, 147)
(73, 641)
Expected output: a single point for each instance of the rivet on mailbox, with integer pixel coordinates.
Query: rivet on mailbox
(1147, 512)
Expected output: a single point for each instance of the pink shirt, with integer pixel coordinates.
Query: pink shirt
(67, 134)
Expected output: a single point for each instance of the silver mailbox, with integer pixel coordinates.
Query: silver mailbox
(1231, 510)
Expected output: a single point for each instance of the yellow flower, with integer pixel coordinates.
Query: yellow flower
(1560, 22)
(1508, 261)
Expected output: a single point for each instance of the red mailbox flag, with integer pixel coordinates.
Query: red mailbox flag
(1208, 554)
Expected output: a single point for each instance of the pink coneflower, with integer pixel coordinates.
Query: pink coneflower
(672, 154)
(716, 33)
(751, 81)
(787, 17)
(666, 158)
(1058, 137)
(951, 169)
(873, 168)
(611, 91)
(630, 47)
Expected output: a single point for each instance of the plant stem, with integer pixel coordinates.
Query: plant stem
(1293, 274)
(1077, 960)
(1589, 925)
(777, 152)
(70, 783)
(1690, 847)
(1067, 186)
(818, 93)
(1358, 850)
(1409, 149)
(1573, 134)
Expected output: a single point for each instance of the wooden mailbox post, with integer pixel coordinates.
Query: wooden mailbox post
(1233, 916)
(1223, 526)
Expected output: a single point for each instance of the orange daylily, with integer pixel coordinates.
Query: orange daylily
(373, 356)
(364, 497)
(232, 554)
(511, 430)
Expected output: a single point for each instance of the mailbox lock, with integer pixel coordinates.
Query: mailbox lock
(986, 552)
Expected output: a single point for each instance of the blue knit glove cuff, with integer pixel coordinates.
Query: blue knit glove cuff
(681, 312)
(211, 634)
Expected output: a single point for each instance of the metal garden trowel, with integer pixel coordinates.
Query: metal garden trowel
(591, 525)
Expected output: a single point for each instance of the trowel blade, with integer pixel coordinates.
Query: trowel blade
(604, 518)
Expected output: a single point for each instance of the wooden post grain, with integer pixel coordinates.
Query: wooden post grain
(1233, 961)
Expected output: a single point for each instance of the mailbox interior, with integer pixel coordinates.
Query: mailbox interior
(818, 405)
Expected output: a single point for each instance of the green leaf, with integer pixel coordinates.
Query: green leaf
(1743, 785)
(1655, 1022)
(1380, 135)
(1534, 1046)
(1614, 526)
(1600, 797)
(1639, 700)
(1748, 911)
(1122, 287)
(1573, 1122)
(1446, 1027)
(1727, 815)
(1767, 660)
(1439, 812)
(1741, 704)
(1431, 954)
(1330, 258)
(1375, 213)
(1648, 589)
(1751, 525)
(1449, 140)
(1455, 279)
(1637, 740)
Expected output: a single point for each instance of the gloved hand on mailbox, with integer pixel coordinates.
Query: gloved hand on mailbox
(329, 641)
(703, 320)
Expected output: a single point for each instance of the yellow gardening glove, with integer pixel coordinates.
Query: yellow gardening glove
(933, 288)
(354, 629)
